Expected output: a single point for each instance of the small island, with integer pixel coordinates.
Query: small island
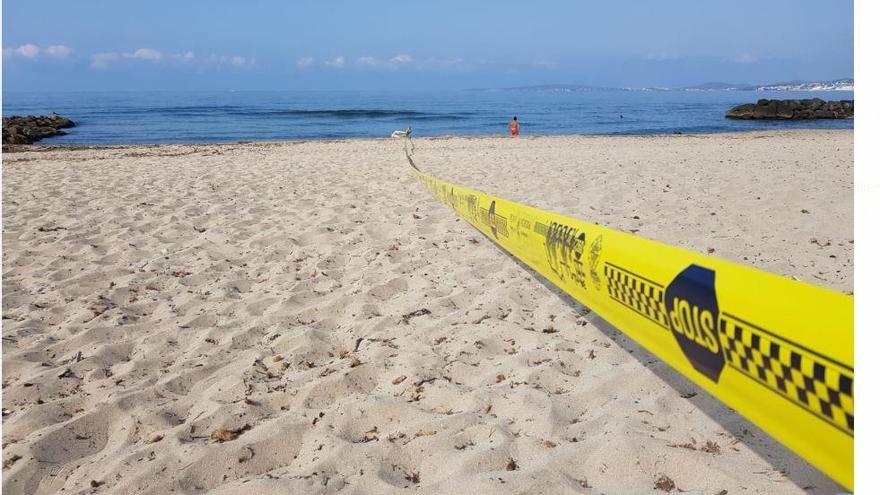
(29, 129)
(806, 109)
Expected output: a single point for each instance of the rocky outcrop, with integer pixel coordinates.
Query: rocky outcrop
(815, 108)
(29, 129)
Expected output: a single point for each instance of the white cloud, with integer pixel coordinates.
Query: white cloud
(58, 51)
(103, 60)
(303, 62)
(235, 60)
(145, 54)
(28, 51)
(368, 61)
(337, 62)
(184, 57)
(31, 51)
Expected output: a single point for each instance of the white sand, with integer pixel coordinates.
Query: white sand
(153, 296)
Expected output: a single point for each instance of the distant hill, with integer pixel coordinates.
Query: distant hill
(833, 85)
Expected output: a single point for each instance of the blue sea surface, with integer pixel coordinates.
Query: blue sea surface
(203, 117)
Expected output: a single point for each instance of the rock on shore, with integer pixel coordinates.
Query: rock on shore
(815, 108)
(29, 129)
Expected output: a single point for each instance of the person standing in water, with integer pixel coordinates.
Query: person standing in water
(513, 126)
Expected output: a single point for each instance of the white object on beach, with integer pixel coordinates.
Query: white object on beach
(404, 133)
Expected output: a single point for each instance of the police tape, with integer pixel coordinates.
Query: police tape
(778, 351)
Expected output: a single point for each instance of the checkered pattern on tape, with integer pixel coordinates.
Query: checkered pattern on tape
(809, 380)
(637, 293)
(496, 221)
(541, 229)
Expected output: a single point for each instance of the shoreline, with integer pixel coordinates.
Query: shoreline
(47, 146)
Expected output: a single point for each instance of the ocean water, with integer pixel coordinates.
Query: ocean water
(201, 117)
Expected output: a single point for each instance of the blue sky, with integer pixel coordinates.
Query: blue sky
(274, 44)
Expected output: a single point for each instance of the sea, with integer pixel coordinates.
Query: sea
(104, 118)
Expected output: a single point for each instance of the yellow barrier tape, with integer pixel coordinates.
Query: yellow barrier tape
(778, 351)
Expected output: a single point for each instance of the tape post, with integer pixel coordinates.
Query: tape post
(779, 352)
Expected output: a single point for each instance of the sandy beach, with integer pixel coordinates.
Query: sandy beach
(303, 317)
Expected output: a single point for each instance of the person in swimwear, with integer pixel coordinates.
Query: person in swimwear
(513, 126)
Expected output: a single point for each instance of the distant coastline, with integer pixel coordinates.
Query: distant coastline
(829, 85)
